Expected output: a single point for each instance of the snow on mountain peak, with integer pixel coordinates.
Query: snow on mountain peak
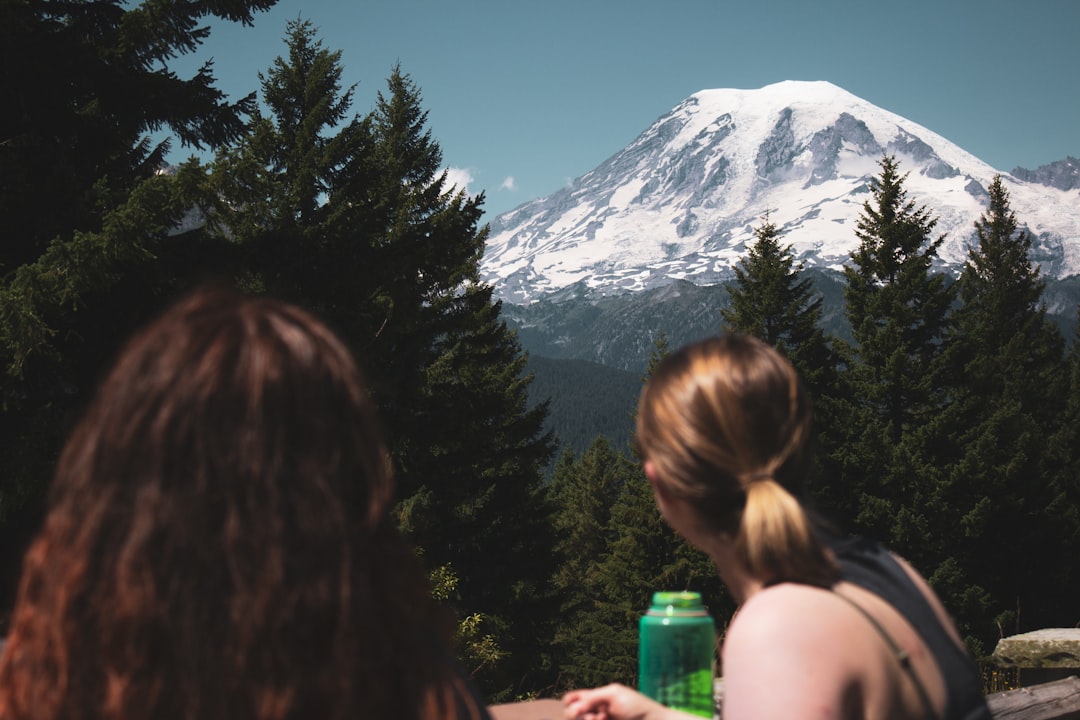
(680, 201)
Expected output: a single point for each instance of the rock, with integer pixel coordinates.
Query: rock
(1049, 648)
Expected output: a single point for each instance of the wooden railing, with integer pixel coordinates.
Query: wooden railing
(1057, 700)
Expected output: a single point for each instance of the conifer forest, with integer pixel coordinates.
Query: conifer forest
(947, 425)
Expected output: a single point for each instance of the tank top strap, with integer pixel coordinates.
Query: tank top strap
(901, 655)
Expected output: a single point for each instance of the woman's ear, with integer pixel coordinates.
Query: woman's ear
(654, 481)
(650, 472)
(676, 510)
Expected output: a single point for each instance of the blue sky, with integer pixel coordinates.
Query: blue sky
(525, 96)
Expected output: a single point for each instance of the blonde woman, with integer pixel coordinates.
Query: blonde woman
(827, 627)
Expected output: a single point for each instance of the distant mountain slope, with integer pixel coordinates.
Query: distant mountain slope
(618, 331)
(680, 201)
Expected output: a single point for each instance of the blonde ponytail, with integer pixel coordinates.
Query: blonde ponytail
(776, 539)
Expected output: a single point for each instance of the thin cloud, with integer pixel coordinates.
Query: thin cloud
(459, 178)
(509, 184)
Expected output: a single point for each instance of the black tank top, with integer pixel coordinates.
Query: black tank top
(869, 565)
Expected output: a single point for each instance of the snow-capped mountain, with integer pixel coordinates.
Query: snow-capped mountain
(681, 200)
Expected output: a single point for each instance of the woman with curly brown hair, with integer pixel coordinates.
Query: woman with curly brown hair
(828, 627)
(218, 542)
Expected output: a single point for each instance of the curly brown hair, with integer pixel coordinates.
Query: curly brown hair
(218, 542)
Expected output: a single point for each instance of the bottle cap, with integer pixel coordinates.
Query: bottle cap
(676, 603)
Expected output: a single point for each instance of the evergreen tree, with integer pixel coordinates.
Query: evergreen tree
(584, 492)
(474, 454)
(352, 217)
(645, 556)
(1072, 405)
(771, 301)
(615, 550)
(1007, 403)
(92, 244)
(1067, 447)
(473, 447)
(894, 380)
(63, 316)
(84, 85)
(294, 190)
(661, 349)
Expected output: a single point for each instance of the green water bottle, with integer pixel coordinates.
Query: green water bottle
(676, 653)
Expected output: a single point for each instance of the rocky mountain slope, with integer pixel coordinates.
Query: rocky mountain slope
(680, 202)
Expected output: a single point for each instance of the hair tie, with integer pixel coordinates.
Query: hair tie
(759, 476)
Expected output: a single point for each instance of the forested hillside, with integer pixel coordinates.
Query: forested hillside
(585, 400)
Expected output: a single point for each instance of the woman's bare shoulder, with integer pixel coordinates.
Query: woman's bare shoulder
(789, 623)
(788, 653)
(782, 608)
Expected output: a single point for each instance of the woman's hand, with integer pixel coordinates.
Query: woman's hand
(613, 702)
